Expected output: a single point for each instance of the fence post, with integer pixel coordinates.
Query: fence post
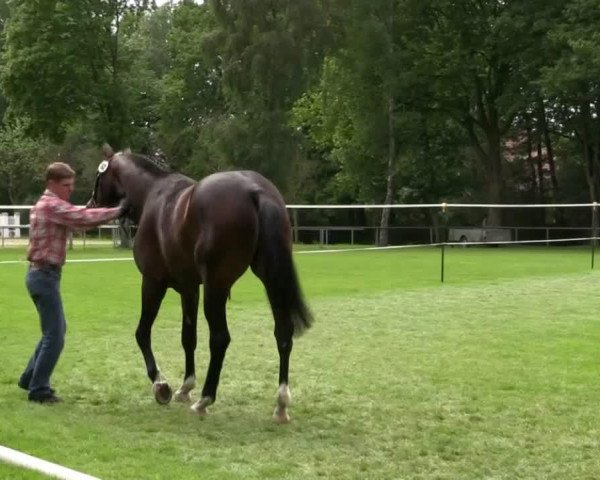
(594, 230)
(295, 223)
(443, 240)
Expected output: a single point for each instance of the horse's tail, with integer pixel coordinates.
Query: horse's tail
(277, 267)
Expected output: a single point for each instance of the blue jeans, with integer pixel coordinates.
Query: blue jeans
(43, 285)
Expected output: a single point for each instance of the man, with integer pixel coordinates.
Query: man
(50, 221)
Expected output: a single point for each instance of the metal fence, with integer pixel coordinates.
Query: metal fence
(331, 235)
(15, 233)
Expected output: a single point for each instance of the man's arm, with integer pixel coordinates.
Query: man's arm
(74, 217)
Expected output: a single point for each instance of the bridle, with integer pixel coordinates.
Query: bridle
(101, 170)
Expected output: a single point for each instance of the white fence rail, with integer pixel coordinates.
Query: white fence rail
(328, 235)
(368, 234)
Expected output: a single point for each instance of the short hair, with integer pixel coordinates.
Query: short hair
(58, 171)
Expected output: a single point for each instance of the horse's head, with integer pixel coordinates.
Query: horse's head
(107, 189)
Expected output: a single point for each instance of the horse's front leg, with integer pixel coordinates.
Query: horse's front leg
(189, 308)
(153, 293)
(214, 311)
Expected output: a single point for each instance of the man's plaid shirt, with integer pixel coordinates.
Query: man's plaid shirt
(50, 221)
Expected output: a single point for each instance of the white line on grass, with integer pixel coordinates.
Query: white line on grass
(302, 252)
(359, 249)
(21, 459)
(79, 260)
(93, 260)
(362, 249)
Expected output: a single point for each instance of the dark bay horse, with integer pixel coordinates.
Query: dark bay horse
(208, 232)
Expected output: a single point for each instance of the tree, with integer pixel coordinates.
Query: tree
(145, 56)
(572, 83)
(478, 59)
(191, 102)
(62, 64)
(4, 16)
(270, 51)
(22, 162)
(369, 100)
(52, 62)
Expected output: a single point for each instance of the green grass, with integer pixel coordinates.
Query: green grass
(493, 374)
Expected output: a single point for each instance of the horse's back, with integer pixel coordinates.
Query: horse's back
(238, 184)
(205, 231)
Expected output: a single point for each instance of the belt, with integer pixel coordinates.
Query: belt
(44, 266)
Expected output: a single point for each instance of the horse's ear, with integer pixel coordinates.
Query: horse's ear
(107, 151)
(127, 151)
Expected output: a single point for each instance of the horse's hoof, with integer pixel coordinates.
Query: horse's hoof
(284, 399)
(201, 412)
(199, 408)
(281, 417)
(182, 397)
(162, 392)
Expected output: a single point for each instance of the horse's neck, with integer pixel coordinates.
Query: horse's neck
(137, 184)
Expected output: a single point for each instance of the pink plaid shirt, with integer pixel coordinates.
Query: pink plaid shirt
(50, 221)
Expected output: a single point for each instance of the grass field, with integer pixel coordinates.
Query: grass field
(493, 374)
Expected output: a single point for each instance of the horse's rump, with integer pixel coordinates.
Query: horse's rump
(223, 217)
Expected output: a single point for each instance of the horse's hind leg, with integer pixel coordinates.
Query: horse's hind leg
(153, 293)
(284, 332)
(214, 311)
(189, 308)
(283, 337)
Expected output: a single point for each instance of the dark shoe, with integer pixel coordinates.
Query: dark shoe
(46, 399)
(26, 387)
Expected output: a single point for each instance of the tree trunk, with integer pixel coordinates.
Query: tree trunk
(595, 173)
(548, 143)
(384, 225)
(487, 119)
(540, 168)
(495, 184)
(10, 190)
(590, 153)
(532, 175)
(590, 174)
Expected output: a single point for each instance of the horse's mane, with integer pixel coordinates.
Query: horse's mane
(157, 166)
